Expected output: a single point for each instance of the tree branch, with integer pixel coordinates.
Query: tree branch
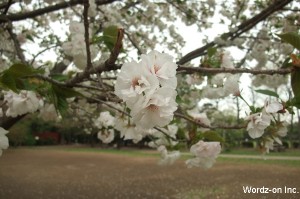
(10, 2)
(42, 11)
(205, 126)
(116, 50)
(189, 70)
(86, 34)
(244, 27)
(17, 45)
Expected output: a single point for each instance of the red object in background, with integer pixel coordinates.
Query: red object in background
(44, 136)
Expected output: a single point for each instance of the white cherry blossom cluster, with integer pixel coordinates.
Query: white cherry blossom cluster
(105, 122)
(259, 122)
(3, 140)
(76, 47)
(223, 84)
(148, 88)
(22, 103)
(205, 154)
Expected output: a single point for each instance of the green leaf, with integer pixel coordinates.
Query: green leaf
(62, 105)
(8, 81)
(295, 82)
(21, 70)
(268, 92)
(212, 136)
(65, 92)
(292, 38)
(59, 77)
(294, 102)
(110, 35)
(211, 51)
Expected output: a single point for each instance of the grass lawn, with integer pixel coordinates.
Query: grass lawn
(132, 152)
(242, 151)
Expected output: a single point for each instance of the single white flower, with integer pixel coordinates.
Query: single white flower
(92, 9)
(48, 113)
(258, 122)
(133, 81)
(199, 117)
(76, 27)
(106, 135)
(231, 85)
(282, 129)
(218, 79)
(212, 93)
(273, 107)
(226, 61)
(172, 130)
(167, 158)
(3, 140)
(268, 144)
(161, 65)
(205, 154)
(22, 103)
(128, 130)
(155, 110)
(105, 120)
(206, 149)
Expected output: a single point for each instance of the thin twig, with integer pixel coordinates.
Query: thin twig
(42, 51)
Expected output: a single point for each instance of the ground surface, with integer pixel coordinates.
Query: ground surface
(55, 173)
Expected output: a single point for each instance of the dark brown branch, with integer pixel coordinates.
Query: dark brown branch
(244, 27)
(206, 126)
(108, 65)
(8, 122)
(98, 69)
(203, 70)
(86, 34)
(6, 8)
(42, 11)
(17, 45)
(5, 5)
(116, 50)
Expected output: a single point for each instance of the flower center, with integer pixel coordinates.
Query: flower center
(156, 68)
(135, 82)
(152, 107)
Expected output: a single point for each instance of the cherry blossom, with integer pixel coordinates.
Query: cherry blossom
(161, 65)
(273, 107)
(22, 103)
(3, 140)
(258, 122)
(133, 81)
(205, 154)
(157, 110)
(48, 113)
(148, 88)
(105, 120)
(167, 158)
(106, 135)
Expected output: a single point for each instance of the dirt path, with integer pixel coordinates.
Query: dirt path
(31, 173)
